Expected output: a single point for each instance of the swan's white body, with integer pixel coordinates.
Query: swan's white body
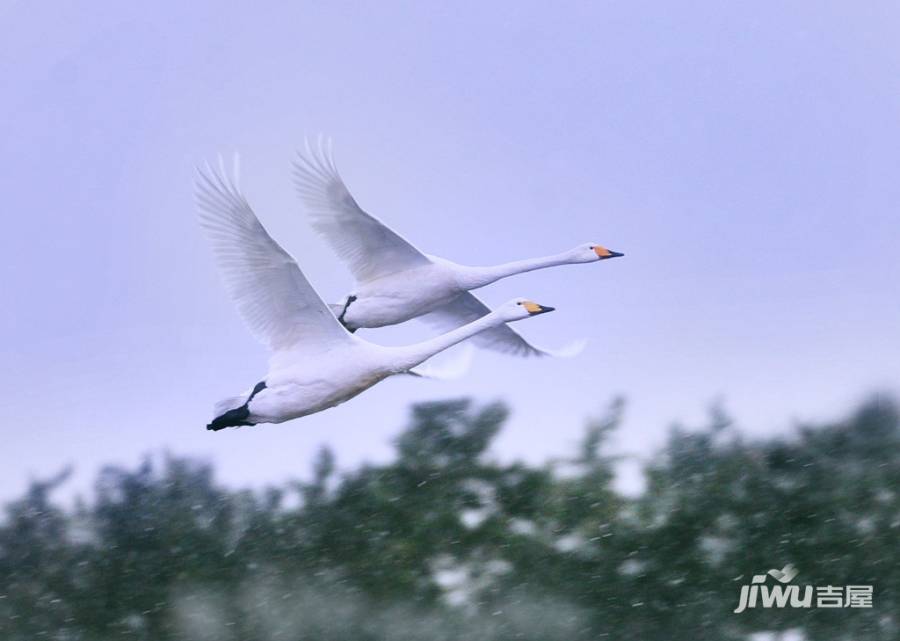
(396, 282)
(315, 363)
(392, 299)
(305, 382)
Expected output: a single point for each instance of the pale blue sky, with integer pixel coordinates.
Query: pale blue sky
(744, 157)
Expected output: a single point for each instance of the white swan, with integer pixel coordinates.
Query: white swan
(395, 281)
(315, 363)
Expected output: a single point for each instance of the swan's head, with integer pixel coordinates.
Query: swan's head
(521, 308)
(592, 252)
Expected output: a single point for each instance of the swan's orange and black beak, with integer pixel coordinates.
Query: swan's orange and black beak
(534, 309)
(603, 253)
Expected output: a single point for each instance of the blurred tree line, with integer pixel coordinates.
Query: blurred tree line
(445, 543)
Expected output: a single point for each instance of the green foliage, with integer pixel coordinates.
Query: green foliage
(446, 543)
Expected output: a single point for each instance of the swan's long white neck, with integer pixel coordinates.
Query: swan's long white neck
(417, 353)
(475, 277)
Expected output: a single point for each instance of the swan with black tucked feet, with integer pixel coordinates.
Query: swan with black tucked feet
(315, 362)
(396, 282)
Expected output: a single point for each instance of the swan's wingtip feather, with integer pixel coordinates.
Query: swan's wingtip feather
(570, 350)
(457, 368)
(573, 349)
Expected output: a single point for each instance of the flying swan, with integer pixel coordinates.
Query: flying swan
(315, 363)
(395, 281)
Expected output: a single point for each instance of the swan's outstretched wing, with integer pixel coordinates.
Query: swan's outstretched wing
(276, 301)
(466, 308)
(369, 247)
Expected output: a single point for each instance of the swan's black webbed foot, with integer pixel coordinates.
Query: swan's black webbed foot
(340, 317)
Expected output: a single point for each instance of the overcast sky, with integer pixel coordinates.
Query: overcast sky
(744, 157)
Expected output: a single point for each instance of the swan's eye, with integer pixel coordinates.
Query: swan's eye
(519, 303)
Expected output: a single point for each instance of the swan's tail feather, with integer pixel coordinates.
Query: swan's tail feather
(234, 411)
(229, 404)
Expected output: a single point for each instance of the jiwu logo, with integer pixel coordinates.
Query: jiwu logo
(781, 595)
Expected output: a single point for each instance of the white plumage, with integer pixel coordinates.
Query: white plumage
(315, 362)
(395, 281)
